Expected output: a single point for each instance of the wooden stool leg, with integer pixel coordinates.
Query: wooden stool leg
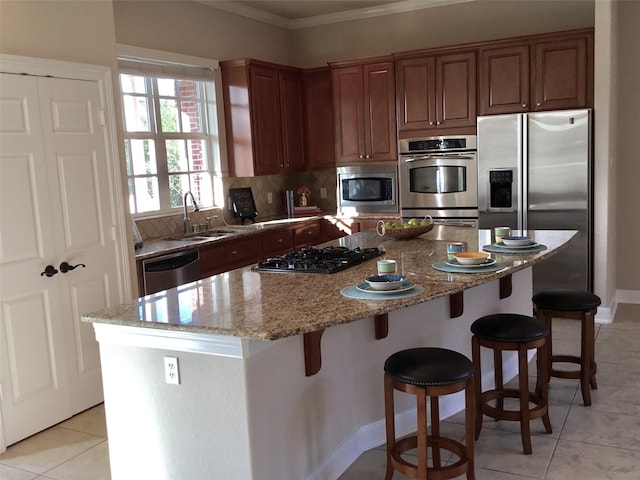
(587, 355)
(469, 426)
(543, 379)
(389, 422)
(434, 438)
(499, 378)
(423, 460)
(475, 354)
(523, 373)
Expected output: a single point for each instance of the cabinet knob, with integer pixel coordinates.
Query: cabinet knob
(538, 104)
(438, 123)
(234, 252)
(430, 123)
(524, 105)
(361, 156)
(367, 156)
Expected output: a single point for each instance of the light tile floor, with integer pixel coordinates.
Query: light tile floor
(588, 443)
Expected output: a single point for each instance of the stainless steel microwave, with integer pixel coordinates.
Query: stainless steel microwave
(368, 189)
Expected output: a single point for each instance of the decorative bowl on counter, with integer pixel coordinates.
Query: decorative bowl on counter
(385, 282)
(402, 231)
(471, 258)
(513, 241)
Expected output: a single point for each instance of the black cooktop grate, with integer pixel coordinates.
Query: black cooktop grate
(317, 260)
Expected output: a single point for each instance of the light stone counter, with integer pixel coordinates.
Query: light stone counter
(270, 306)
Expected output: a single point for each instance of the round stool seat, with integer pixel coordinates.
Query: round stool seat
(509, 327)
(566, 300)
(428, 366)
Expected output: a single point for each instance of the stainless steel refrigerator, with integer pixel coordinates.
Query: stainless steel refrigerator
(534, 173)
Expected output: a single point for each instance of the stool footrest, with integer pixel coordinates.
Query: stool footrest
(539, 410)
(409, 469)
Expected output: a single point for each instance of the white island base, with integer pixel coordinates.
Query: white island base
(245, 410)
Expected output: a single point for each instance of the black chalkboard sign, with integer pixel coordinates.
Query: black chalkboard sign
(242, 203)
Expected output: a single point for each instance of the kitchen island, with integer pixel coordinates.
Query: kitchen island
(263, 393)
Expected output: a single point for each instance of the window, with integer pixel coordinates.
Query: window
(170, 137)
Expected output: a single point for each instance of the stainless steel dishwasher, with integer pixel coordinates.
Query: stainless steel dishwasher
(168, 271)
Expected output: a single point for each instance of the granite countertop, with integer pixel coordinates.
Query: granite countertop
(269, 306)
(162, 246)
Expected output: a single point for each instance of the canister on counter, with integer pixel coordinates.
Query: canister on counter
(500, 232)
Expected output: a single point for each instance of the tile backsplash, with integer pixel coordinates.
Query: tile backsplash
(169, 225)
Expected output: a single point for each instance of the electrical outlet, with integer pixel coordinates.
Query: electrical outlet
(171, 370)
(323, 192)
(269, 198)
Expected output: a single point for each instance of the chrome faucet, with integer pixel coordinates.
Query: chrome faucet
(186, 214)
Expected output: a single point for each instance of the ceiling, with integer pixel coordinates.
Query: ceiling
(293, 14)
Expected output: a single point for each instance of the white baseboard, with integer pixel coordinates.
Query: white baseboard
(628, 296)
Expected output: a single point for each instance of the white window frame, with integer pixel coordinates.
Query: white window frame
(214, 118)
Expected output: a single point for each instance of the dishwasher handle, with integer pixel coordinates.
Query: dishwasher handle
(171, 262)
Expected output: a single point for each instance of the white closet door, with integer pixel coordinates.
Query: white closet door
(54, 207)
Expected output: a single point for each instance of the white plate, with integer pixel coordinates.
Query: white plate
(502, 245)
(487, 263)
(365, 287)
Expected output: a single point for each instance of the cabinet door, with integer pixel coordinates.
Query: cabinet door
(307, 235)
(416, 86)
(456, 90)
(348, 104)
(504, 80)
(266, 120)
(380, 112)
(292, 121)
(230, 255)
(277, 243)
(319, 136)
(561, 76)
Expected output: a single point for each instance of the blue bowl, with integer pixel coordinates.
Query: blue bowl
(385, 282)
(515, 241)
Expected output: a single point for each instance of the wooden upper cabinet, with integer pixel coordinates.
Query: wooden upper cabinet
(319, 135)
(544, 72)
(263, 117)
(436, 91)
(562, 73)
(504, 80)
(364, 113)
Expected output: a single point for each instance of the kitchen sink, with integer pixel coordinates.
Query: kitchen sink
(203, 236)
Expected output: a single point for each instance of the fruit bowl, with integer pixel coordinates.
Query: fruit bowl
(405, 231)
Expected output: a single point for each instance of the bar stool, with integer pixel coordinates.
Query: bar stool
(428, 372)
(512, 332)
(577, 305)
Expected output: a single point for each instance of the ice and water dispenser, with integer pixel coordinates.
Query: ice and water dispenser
(501, 189)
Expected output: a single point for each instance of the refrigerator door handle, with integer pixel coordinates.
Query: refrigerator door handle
(523, 162)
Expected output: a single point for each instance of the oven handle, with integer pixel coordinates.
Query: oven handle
(446, 156)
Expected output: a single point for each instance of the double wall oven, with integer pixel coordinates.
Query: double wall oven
(439, 177)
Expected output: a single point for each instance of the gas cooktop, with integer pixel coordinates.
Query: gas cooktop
(317, 260)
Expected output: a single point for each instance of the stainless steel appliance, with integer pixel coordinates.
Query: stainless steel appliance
(535, 173)
(438, 177)
(317, 260)
(169, 271)
(368, 189)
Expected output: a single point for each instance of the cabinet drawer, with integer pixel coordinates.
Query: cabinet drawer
(277, 243)
(230, 255)
(307, 235)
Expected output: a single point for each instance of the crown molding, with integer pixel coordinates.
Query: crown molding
(350, 15)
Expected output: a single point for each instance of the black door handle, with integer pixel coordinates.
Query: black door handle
(49, 271)
(65, 267)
